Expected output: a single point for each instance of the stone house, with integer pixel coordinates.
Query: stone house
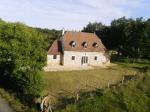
(77, 49)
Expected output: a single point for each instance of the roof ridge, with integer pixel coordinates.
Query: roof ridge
(80, 32)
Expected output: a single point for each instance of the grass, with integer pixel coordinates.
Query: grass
(14, 102)
(132, 96)
(73, 81)
(68, 83)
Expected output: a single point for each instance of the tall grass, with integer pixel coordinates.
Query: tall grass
(14, 102)
(133, 96)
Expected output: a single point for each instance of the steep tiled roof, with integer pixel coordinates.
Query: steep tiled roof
(55, 49)
(79, 38)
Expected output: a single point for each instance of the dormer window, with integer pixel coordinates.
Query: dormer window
(95, 45)
(85, 44)
(72, 44)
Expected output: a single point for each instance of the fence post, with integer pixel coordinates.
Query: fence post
(77, 96)
(108, 85)
(122, 79)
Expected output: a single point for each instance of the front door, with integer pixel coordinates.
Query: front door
(84, 60)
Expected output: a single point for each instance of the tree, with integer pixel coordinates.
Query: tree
(22, 55)
(93, 27)
(51, 35)
(131, 37)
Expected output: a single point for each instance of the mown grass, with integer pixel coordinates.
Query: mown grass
(73, 81)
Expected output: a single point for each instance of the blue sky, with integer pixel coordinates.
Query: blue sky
(71, 14)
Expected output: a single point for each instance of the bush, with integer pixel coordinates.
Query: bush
(22, 55)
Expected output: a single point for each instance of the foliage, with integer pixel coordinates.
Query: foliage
(15, 103)
(93, 27)
(51, 35)
(128, 36)
(22, 55)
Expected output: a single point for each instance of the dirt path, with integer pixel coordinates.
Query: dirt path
(4, 106)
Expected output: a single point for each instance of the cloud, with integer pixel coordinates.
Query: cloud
(71, 14)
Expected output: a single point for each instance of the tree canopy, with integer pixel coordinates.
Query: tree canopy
(51, 35)
(131, 37)
(22, 55)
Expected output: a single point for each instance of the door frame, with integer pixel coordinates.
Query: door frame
(84, 60)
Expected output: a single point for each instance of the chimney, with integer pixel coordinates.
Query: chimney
(63, 31)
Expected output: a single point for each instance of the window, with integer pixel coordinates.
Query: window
(95, 58)
(85, 44)
(54, 56)
(73, 57)
(72, 44)
(95, 45)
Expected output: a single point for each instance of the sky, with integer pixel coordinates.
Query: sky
(71, 14)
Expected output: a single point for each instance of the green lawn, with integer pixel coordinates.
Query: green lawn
(69, 82)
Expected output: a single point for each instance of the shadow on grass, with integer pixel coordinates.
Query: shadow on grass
(64, 101)
(143, 62)
(142, 69)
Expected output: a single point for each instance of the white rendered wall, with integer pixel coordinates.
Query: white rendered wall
(101, 58)
(51, 61)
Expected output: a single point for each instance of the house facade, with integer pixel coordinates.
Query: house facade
(77, 49)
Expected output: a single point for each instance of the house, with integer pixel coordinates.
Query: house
(77, 49)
